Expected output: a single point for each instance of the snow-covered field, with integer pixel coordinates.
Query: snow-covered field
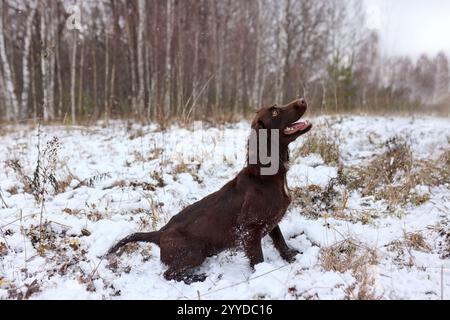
(124, 178)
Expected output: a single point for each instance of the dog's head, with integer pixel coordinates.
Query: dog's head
(273, 128)
(285, 119)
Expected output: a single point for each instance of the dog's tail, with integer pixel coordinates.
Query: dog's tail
(135, 237)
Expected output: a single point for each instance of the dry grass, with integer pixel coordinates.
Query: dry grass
(435, 172)
(42, 237)
(416, 241)
(391, 175)
(315, 201)
(158, 177)
(43, 175)
(13, 190)
(383, 175)
(137, 133)
(347, 255)
(6, 129)
(326, 145)
(139, 157)
(394, 174)
(3, 249)
(63, 184)
(63, 255)
(16, 166)
(28, 290)
(363, 288)
(403, 248)
(351, 255)
(442, 229)
(135, 185)
(188, 168)
(92, 180)
(445, 246)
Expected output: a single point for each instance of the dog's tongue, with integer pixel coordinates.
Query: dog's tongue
(296, 127)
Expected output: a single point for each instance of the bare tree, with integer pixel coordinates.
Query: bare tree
(8, 82)
(73, 77)
(425, 82)
(168, 62)
(201, 58)
(25, 57)
(47, 57)
(442, 78)
(141, 54)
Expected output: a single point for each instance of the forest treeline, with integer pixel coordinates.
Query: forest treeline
(158, 59)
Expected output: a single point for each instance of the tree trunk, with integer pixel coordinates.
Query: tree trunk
(80, 88)
(25, 64)
(44, 62)
(33, 87)
(169, 24)
(73, 78)
(256, 80)
(132, 67)
(140, 56)
(51, 63)
(94, 77)
(149, 79)
(3, 98)
(59, 77)
(112, 85)
(13, 108)
(105, 97)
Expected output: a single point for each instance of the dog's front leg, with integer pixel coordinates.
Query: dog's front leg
(252, 230)
(252, 247)
(286, 253)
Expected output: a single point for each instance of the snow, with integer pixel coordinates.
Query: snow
(112, 207)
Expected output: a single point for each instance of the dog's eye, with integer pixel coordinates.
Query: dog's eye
(275, 113)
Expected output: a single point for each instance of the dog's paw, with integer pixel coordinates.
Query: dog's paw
(289, 255)
(194, 278)
(254, 266)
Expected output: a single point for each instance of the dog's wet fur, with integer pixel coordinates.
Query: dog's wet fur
(240, 214)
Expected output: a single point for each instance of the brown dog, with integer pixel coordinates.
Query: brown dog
(239, 215)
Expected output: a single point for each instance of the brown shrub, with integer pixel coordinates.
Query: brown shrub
(403, 248)
(393, 174)
(326, 145)
(347, 255)
(314, 200)
(350, 255)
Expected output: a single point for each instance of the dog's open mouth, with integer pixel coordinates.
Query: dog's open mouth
(296, 127)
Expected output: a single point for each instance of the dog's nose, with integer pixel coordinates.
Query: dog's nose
(302, 103)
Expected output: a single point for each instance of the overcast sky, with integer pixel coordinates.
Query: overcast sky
(411, 26)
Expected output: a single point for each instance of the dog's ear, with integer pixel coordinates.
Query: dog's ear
(260, 125)
(256, 125)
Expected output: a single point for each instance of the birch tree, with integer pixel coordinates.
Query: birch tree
(199, 58)
(168, 64)
(73, 77)
(47, 33)
(140, 55)
(12, 103)
(25, 59)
